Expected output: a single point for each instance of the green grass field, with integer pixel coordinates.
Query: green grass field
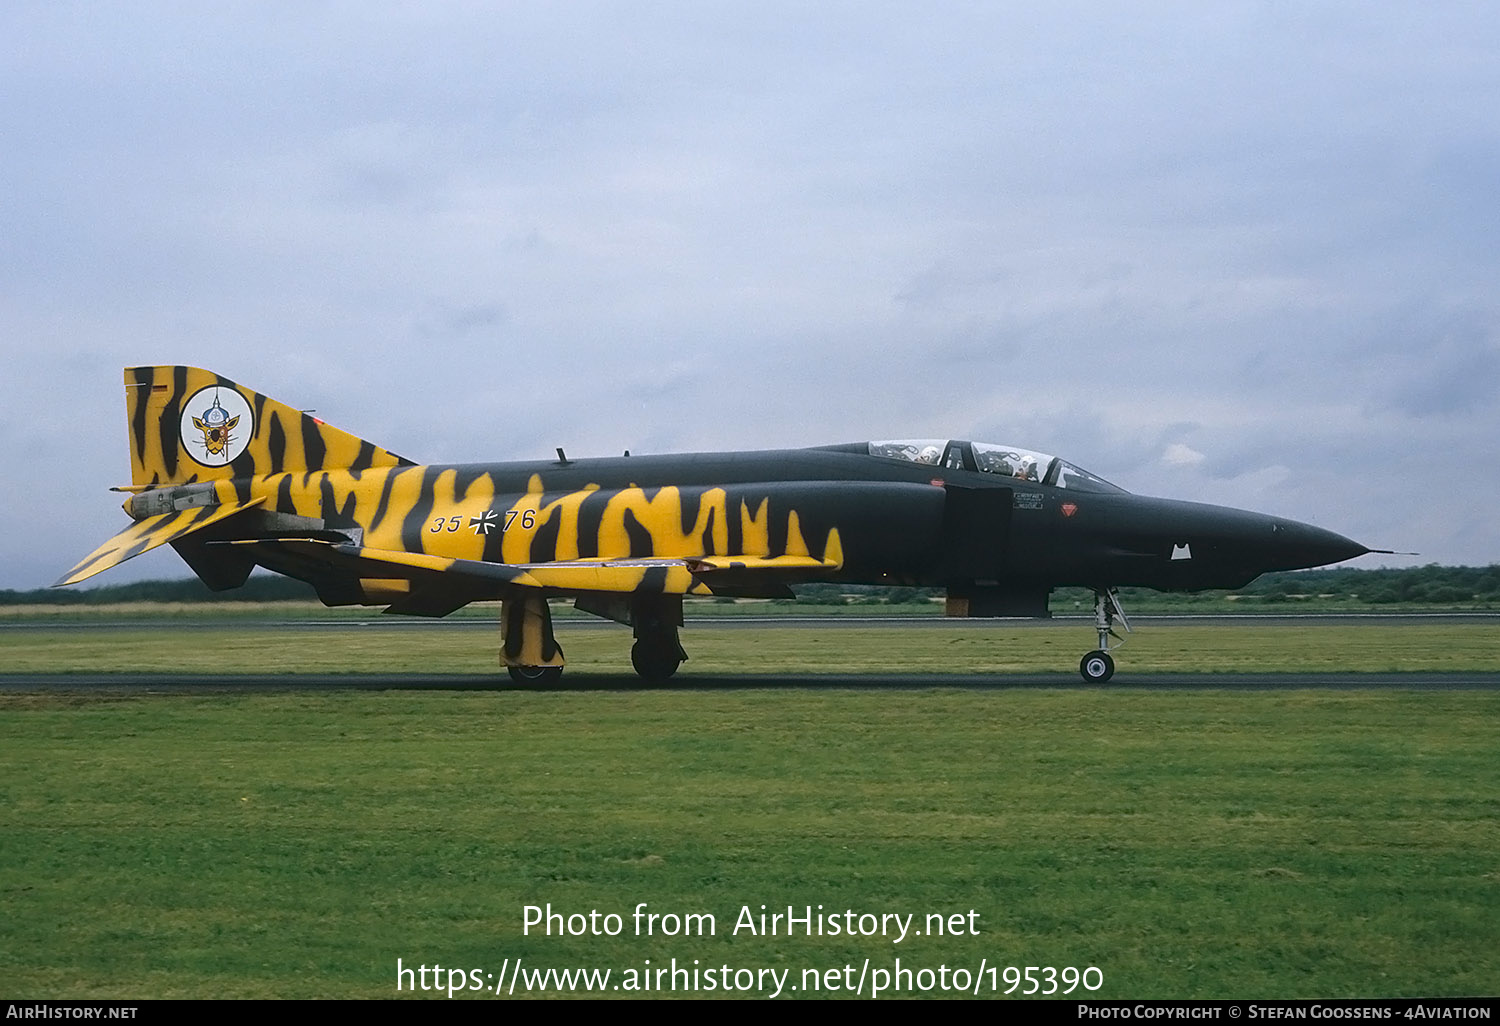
(1204, 843)
(1241, 646)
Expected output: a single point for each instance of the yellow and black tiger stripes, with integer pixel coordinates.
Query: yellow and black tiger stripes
(234, 479)
(151, 532)
(188, 424)
(526, 633)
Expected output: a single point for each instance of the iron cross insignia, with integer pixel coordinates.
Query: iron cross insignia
(484, 523)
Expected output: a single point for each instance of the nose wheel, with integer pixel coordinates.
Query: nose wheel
(1099, 666)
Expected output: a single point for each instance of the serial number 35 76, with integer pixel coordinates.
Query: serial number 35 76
(485, 522)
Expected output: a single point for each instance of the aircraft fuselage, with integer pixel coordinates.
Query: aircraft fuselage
(234, 480)
(897, 523)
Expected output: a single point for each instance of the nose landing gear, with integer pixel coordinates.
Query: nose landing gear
(1098, 666)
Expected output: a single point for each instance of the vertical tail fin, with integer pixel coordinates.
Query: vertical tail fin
(188, 424)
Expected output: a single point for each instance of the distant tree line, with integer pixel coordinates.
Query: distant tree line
(259, 588)
(1427, 585)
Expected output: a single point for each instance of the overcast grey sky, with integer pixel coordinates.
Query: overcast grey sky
(1242, 253)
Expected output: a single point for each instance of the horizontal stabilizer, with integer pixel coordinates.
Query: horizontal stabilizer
(145, 535)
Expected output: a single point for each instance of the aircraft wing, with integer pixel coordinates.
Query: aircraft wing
(440, 584)
(145, 535)
(713, 575)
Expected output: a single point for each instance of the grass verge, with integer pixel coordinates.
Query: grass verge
(1242, 646)
(1187, 844)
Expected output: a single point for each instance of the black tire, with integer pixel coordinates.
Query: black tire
(535, 675)
(1097, 667)
(654, 662)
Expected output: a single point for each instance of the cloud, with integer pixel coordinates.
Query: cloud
(1179, 455)
(1181, 247)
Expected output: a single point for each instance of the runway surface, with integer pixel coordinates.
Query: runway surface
(158, 683)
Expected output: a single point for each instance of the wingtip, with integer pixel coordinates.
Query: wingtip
(76, 574)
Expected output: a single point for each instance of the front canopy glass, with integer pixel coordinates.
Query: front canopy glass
(990, 458)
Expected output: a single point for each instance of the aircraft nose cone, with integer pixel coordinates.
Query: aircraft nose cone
(1301, 546)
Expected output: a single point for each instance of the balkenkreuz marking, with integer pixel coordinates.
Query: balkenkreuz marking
(484, 523)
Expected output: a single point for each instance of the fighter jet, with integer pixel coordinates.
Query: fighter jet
(234, 480)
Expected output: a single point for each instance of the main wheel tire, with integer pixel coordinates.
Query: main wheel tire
(535, 675)
(654, 662)
(1097, 667)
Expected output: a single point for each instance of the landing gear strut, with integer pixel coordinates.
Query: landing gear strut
(1098, 666)
(528, 649)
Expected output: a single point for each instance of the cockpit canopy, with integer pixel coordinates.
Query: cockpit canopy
(989, 458)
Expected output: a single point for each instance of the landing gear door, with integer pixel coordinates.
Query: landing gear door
(976, 532)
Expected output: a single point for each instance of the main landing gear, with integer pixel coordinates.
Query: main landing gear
(533, 658)
(657, 653)
(1098, 666)
(535, 676)
(528, 650)
(656, 659)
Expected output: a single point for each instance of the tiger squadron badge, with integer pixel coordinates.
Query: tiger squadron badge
(217, 425)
